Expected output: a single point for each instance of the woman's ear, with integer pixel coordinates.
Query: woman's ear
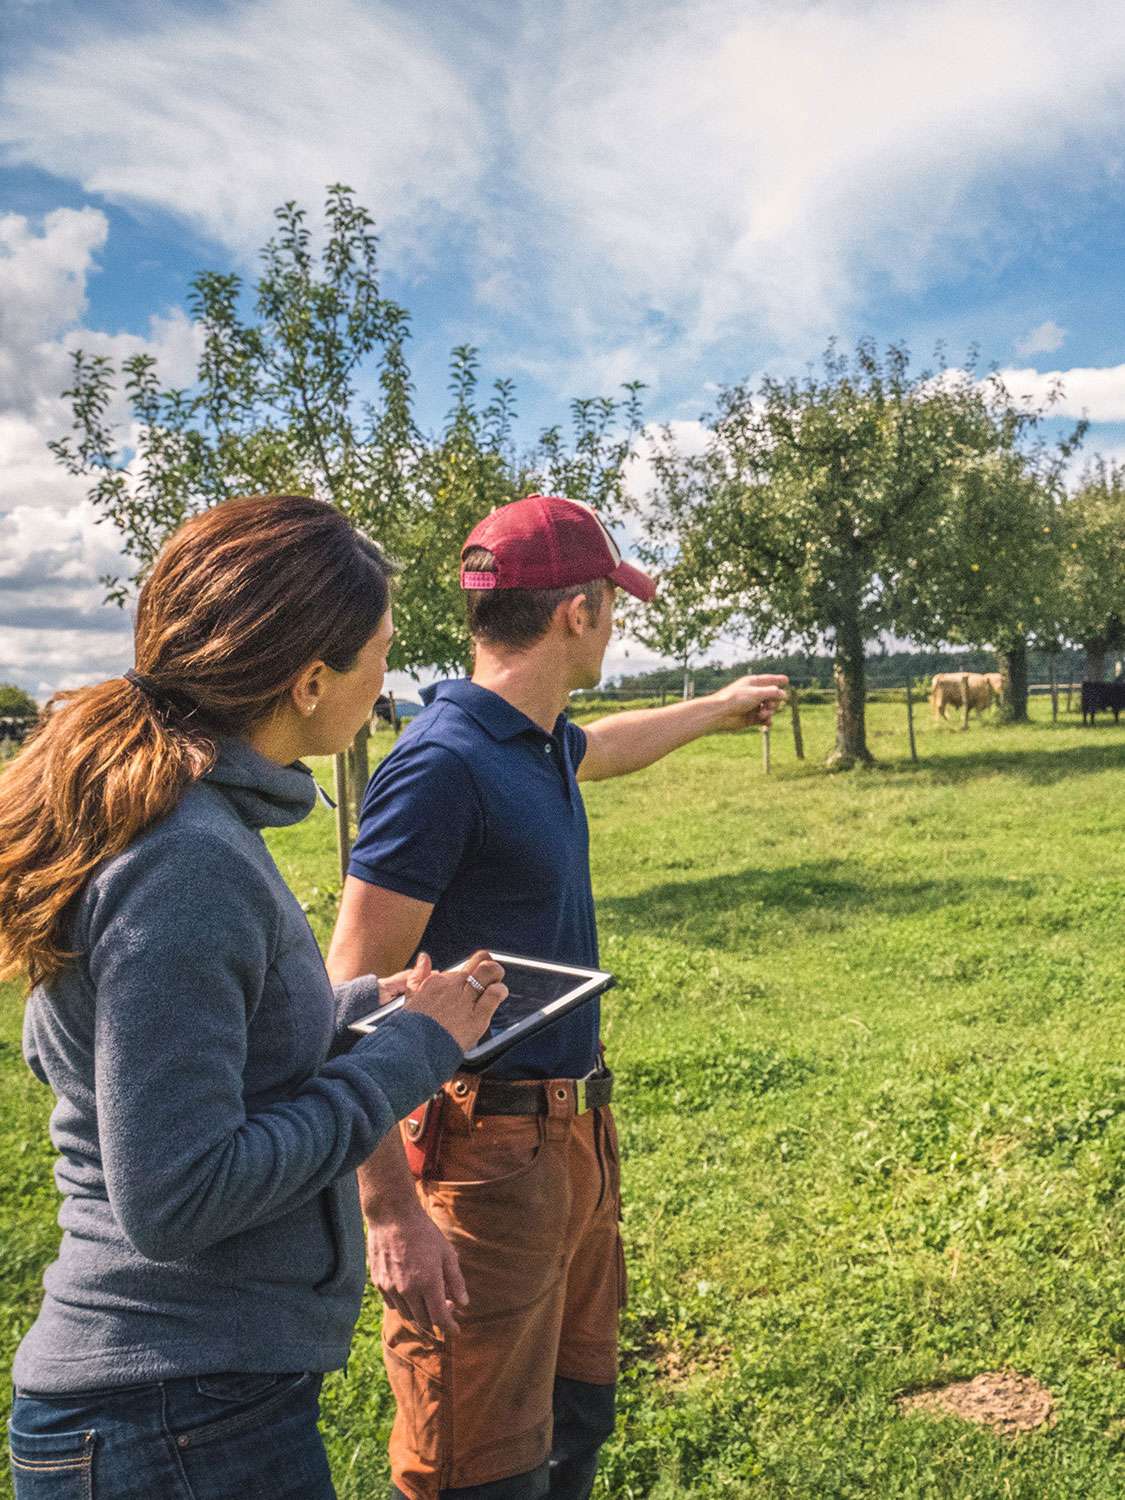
(308, 689)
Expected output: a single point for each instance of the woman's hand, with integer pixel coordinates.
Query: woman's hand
(463, 1000)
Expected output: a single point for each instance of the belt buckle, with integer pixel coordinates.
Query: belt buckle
(582, 1091)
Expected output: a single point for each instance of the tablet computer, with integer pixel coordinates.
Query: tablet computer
(539, 994)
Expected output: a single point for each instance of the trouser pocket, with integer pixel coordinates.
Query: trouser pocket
(265, 1442)
(242, 1389)
(234, 1404)
(414, 1359)
(52, 1466)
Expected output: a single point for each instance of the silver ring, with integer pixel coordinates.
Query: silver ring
(474, 983)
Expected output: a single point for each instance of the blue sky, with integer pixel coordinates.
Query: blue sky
(688, 192)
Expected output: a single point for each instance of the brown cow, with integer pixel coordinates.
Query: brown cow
(985, 688)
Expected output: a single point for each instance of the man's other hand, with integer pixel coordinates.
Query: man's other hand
(415, 1267)
(749, 701)
(406, 981)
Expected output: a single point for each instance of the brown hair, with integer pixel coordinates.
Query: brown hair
(238, 601)
(519, 617)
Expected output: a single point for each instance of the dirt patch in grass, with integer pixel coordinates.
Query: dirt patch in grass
(679, 1364)
(678, 1367)
(999, 1399)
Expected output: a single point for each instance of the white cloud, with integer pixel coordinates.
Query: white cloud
(42, 294)
(1097, 393)
(756, 170)
(220, 118)
(639, 181)
(28, 474)
(55, 630)
(45, 661)
(686, 437)
(626, 656)
(644, 180)
(67, 548)
(43, 273)
(1044, 339)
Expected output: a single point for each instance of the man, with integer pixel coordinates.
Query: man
(502, 1269)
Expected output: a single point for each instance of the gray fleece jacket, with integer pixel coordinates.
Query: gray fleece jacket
(207, 1130)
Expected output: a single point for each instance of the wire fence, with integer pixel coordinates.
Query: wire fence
(813, 690)
(912, 693)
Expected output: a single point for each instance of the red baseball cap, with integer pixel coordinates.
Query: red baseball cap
(549, 542)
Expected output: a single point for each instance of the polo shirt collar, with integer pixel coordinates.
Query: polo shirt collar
(499, 718)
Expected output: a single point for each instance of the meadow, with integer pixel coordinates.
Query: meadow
(868, 1034)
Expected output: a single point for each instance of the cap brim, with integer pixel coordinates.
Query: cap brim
(634, 582)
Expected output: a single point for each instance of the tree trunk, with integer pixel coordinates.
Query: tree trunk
(343, 835)
(359, 766)
(850, 672)
(1095, 659)
(1013, 668)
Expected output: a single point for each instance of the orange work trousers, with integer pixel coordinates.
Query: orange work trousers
(532, 1206)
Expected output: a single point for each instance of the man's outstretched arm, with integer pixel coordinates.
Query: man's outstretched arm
(630, 741)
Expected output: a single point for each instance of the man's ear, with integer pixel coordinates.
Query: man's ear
(575, 614)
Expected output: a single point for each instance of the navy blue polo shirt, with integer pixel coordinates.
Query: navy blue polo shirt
(478, 811)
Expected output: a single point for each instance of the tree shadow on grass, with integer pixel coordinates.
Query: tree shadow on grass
(1038, 767)
(822, 892)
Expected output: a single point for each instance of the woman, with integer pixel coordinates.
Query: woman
(209, 1118)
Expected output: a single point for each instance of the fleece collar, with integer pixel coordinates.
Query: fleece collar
(266, 795)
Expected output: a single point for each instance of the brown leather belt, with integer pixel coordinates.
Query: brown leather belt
(498, 1096)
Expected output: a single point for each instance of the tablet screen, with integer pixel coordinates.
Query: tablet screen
(530, 990)
(538, 994)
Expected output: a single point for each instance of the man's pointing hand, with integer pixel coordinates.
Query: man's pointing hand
(749, 701)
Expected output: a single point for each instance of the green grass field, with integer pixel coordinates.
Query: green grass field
(869, 1038)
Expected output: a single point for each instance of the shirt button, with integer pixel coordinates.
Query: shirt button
(546, 749)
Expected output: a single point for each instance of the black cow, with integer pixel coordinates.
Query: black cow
(16, 727)
(1097, 695)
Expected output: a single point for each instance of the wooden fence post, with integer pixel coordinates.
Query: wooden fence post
(395, 723)
(1054, 693)
(798, 737)
(910, 721)
(343, 846)
(1069, 693)
(964, 700)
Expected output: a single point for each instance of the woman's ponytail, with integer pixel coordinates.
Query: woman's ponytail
(105, 764)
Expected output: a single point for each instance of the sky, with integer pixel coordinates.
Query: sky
(684, 192)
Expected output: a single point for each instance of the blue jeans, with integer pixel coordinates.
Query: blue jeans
(206, 1437)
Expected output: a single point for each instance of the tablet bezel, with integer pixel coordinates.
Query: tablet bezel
(591, 982)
